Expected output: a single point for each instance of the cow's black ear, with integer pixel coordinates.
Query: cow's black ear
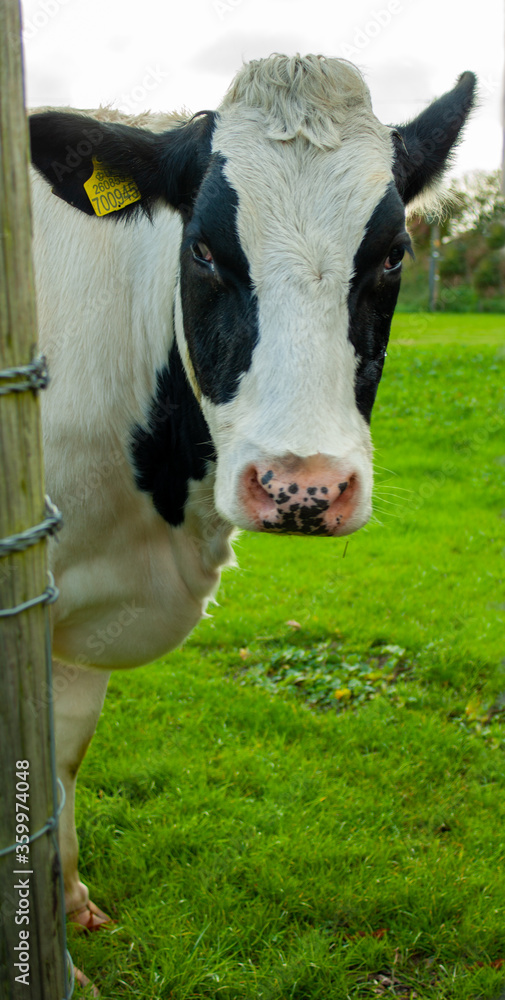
(185, 153)
(167, 166)
(423, 147)
(64, 145)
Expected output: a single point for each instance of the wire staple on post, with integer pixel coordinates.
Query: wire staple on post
(51, 594)
(18, 543)
(49, 526)
(36, 376)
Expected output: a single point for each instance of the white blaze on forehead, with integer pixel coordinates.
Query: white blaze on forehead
(309, 162)
(303, 207)
(304, 152)
(301, 210)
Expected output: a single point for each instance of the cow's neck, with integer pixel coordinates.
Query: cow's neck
(175, 447)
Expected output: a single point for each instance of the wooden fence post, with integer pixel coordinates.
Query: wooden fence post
(32, 963)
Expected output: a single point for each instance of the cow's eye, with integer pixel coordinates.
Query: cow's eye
(393, 262)
(202, 254)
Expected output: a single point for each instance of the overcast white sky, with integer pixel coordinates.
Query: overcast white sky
(169, 54)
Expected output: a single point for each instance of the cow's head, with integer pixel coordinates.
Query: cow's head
(292, 197)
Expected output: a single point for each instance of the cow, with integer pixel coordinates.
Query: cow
(215, 295)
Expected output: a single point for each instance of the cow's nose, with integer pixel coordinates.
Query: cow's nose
(311, 496)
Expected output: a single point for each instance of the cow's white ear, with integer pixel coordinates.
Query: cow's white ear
(424, 146)
(66, 146)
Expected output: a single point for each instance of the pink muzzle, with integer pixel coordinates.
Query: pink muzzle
(311, 496)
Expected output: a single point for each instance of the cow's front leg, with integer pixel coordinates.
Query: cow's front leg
(78, 694)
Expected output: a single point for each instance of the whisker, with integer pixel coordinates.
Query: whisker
(391, 503)
(391, 493)
(383, 468)
(391, 507)
(391, 487)
(375, 520)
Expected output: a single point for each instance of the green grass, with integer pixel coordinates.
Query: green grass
(307, 800)
(448, 329)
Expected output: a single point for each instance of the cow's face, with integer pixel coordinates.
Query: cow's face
(290, 270)
(292, 197)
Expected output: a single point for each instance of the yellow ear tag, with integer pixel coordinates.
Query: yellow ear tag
(107, 192)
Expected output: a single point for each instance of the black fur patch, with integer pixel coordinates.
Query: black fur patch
(219, 304)
(176, 445)
(373, 295)
(424, 146)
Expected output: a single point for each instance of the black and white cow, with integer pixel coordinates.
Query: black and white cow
(215, 349)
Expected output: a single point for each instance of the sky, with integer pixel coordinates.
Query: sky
(174, 54)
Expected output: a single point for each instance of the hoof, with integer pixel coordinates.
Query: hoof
(91, 990)
(89, 917)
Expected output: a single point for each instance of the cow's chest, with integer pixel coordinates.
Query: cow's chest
(131, 587)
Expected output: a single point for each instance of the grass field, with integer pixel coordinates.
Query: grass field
(307, 801)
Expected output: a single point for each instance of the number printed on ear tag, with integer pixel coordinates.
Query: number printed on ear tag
(107, 192)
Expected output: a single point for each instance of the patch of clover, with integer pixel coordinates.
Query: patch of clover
(324, 676)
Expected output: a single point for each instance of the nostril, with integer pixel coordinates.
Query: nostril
(353, 484)
(345, 497)
(258, 497)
